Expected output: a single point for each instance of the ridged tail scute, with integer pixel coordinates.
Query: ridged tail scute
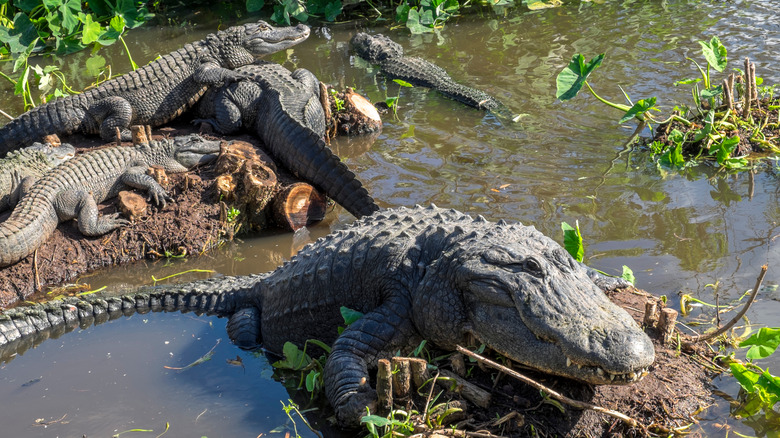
(307, 156)
(23, 233)
(25, 327)
(61, 117)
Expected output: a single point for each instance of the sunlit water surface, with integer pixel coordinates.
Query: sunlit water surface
(562, 162)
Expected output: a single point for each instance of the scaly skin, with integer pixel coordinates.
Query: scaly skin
(422, 273)
(73, 190)
(20, 169)
(284, 110)
(156, 93)
(379, 49)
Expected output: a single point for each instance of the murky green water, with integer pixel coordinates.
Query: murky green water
(563, 162)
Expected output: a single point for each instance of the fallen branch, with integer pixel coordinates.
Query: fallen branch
(554, 394)
(738, 316)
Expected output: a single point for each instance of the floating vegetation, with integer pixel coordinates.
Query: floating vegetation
(733, 125)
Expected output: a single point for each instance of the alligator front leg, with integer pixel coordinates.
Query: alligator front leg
(136, 177)
(376, 334)
(86, 210)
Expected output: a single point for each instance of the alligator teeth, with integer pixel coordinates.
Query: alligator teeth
(632, 376)
(579, 367)
(600, 372)
(568, 362)
(611, 377)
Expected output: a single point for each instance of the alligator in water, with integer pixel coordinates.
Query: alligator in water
(389, 55)
(284, 110)
(155, 93)
(422, 273)
(20, 169)
(73, 190)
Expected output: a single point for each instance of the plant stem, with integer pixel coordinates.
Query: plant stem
(619, 106)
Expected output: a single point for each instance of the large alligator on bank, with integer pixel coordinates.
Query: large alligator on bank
(20, 169)
(389, 55)
(284, 110)
(73, 190)
(422, 273)
(156, 93)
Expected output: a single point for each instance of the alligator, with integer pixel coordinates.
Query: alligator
(389, 55)
(284, 110)
(20, 169)
(420, 273)
(155, 93)
(73, 190)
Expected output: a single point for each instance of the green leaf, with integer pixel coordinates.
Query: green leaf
(22, 34)
(403, 83)
(117, 23)
(402, 13)
(69, 10)
(21, 58)
(349, 315)
(294, 358)
(91, 30)
(376, 420)
(571, 79)
(673, 157)
(725, 148)
(26, 5)
(95, 64)
(712, 92)
(413, 23)
(572, 240)
(702, 133)
(688, 81)
(254, 5)
(715, 53)
(762, 343)
(747, 378)
(642, 106)
(628, 275)
(280, 15)
(311, 380)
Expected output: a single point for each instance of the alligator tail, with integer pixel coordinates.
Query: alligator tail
(25, 230)
(302, 151)
(62, 117)
(24, 327)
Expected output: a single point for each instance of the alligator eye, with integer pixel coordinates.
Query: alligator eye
(533, 267)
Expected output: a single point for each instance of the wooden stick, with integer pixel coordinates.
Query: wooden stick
(666, 323)
(6, 115)
(554, 394)
(738, 316)
(384, 387)
(748, 91)
(402, 379)
(651, 307)
(727, 97)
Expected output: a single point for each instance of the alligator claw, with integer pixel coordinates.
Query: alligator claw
(159, 197)
(114, 221)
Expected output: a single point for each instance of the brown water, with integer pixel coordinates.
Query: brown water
(562, 162)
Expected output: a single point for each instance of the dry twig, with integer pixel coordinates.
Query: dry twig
(554, 394)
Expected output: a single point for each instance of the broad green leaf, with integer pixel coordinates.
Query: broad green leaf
(280, 15)
(747, 378)
(117, 23)
(403, 83)
(376, 420)
(762, 343)
(69, 10)
(332, 10)
(22, 34)
(725, 148)
(712, 92)
(642, 106)
(413, 22)
(254, 5)
(572, 240)
(350, 315)
(702, 133)
(673, 157)
(311, 380)
(90, 31)
(628, 275)
(294, 358)
(402, 13)
(26, 5)
(715, 53)
(571, 79)
(21, 58)
(94, 64)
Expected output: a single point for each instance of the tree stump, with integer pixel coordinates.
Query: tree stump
(357, 115)
(298, 205)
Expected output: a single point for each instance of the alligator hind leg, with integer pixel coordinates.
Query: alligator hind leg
(243, 328)
(111, 113)
(85, 209)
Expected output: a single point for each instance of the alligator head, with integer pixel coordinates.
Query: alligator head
(182, 153)
(239, 45)
(523, 295)
(375, 48)
(55, 155)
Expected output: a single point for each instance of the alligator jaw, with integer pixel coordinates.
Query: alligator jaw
(268, 39)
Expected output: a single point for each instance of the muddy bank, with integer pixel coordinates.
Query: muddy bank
(198, 220)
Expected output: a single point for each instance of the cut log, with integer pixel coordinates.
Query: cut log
(384, 387)
(357, 116)
(298, 205)
(132, 204)
(468, 390)
(159, 175)
(402, 379)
